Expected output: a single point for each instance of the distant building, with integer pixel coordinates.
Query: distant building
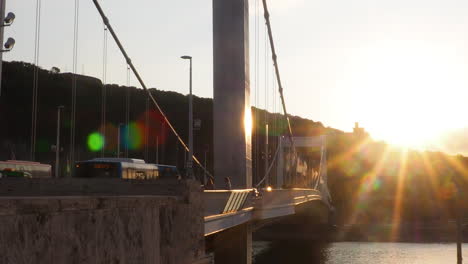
(359, 132)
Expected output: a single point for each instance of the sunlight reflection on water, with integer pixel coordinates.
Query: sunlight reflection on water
(357, 253)
(402, 253)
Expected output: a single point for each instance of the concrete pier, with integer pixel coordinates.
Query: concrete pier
(234, 245)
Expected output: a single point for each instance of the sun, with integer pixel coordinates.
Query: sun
(408, 94)
(403, 134)
(405, 124)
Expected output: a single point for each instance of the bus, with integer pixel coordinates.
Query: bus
(168, 171)
(123, 168)
(24, 169)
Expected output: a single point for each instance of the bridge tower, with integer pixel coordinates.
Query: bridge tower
(231, 85)
(232, 118)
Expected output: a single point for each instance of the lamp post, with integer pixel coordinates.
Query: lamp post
(204, 171)
(189, 160)
(118, 140)
(5, 21)
(57, 145)
(267, 177)
(459, 215)
(157, 150)
(2, 17)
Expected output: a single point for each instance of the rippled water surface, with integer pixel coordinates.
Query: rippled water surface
(356, 252)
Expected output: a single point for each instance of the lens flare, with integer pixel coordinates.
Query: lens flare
(133, 135)
(367, 181)
(95, 142)
(377, 184)
(399, 196)
(153, 129)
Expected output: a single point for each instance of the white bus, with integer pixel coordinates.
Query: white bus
(24, 169)
(123, 168)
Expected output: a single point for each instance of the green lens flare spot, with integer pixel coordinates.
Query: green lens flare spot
(95, 142)
(377, 184)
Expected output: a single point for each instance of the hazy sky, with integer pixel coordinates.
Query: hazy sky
(399, 67)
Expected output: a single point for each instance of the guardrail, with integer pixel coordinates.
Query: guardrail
(227, 208)
(227, 201)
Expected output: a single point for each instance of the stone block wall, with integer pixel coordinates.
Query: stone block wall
(148, 228)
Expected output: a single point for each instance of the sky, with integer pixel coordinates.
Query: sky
(398, 67)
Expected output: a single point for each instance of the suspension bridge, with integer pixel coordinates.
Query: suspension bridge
(235, 198)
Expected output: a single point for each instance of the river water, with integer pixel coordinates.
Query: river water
(356, 253)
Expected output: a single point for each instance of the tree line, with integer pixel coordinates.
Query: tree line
(368, 180)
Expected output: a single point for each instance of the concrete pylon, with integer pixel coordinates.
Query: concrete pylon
(234, 246)
(231, 84)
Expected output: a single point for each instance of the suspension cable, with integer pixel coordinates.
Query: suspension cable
(74, 81)
(35, 80)
(146, 128)
(269, 168)
(266, 84)
(265, 121)
(127, 113)
(275, 117)
(292, 148)
(275, 63)
(103, 92)
(257, 86)
(143, 85)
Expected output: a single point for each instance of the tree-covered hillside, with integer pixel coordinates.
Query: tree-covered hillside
(54, 89)
(369, 181)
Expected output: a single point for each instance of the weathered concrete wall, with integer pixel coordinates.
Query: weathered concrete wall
(103, 229)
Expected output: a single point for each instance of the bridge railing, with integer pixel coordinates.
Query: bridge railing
(227, 201)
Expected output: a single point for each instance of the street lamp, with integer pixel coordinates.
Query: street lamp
(118, 139)
(9, 44)
(189, 161)
(57, 145)
(10, 17)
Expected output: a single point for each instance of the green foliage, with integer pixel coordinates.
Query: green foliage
(55, 90)
(363, 174)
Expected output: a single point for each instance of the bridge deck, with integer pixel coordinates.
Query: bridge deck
(228, 208)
